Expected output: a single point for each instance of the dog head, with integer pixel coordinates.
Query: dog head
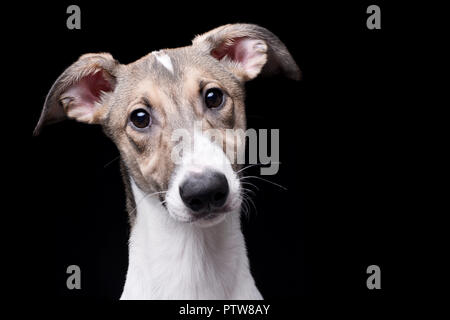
(168, 99)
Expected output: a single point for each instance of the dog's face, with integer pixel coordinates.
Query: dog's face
(163, 101)
(161, 109)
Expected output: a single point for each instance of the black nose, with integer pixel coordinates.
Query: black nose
(204, 191)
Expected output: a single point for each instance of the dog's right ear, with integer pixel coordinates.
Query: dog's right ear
(79, 91)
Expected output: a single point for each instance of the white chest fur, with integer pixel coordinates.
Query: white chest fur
(174, 260)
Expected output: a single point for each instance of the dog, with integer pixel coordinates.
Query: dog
(186, 240)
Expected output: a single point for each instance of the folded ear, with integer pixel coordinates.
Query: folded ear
(79, 90)
(246, 48)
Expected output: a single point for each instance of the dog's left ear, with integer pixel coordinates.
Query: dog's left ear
(248, 50)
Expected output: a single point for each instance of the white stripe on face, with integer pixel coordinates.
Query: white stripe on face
(164, 59)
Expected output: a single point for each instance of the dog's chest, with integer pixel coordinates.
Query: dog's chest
(184, 263)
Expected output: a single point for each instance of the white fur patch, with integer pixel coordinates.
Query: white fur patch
(164, 59)
(169, 259)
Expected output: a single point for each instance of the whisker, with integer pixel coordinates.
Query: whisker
(245, 208)
(249, 190)
(249, 166)
(247, 202)
(250, 200)
(256, 177)
(249, 183)
(145, 197)
(111, 162)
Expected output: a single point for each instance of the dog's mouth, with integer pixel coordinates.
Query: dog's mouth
(208, 219)
(205, 218)
(209, 216)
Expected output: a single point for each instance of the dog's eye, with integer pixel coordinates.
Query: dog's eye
(140, 118)
(214, 98)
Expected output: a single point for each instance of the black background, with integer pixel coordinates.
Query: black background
(341, 149)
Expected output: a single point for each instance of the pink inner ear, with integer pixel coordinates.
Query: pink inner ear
(250, 53)
(89, 88)
(85, 93)
(235, 50)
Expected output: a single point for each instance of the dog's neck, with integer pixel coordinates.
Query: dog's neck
(174, 260)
